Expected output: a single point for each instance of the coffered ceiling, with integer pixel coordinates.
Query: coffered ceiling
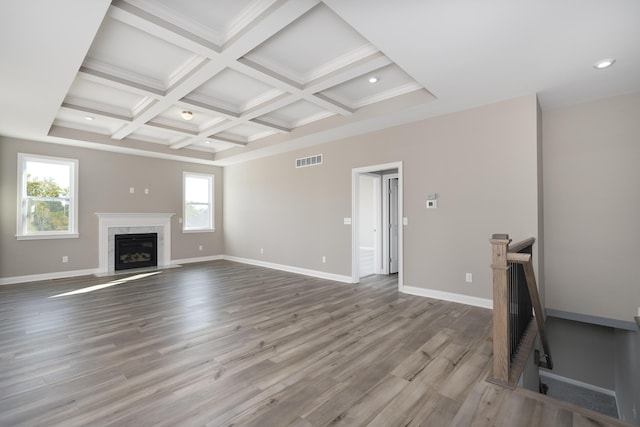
(265, 76)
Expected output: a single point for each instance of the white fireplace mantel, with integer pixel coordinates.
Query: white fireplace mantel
(127, 223)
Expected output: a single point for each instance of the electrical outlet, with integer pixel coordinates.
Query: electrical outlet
(469, 277)
(65, 259)
(200, 247)
(261, 251)
(324, 259)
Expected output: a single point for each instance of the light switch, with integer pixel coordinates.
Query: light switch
(405, 220)
(347, 221)
(132, 190)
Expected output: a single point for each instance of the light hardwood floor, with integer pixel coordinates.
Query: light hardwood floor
(226, 344)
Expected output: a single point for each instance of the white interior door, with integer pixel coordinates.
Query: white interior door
(369, 223)
(393, 225)
(390, 224)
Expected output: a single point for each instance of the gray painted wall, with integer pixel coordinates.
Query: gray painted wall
(104, 181)
(482, 163)
(582, 351)
(591, 172)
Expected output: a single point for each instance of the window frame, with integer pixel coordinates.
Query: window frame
(211, 179)
(21, 214)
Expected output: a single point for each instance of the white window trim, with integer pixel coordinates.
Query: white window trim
(212, 205)
(21, 233)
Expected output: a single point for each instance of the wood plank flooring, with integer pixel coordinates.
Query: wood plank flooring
(226, 344)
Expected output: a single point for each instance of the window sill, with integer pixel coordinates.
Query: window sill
(204, 230)
(48, 236)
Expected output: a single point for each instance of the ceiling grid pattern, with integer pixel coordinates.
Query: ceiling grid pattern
(246, 69)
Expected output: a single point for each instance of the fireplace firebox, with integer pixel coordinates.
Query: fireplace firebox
(136, 250)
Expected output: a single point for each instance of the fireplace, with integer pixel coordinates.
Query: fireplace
(135, 250)
(110, 224)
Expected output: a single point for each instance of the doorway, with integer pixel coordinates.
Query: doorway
(376, 215)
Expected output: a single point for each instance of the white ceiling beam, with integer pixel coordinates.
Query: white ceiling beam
(94, 111)
(111, 80)
(172, 129)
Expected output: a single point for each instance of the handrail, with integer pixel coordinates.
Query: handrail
(517, 247)
(506, 367)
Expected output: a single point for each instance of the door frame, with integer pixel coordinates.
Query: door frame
(355, 215)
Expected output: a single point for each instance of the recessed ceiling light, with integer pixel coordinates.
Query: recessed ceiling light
(88, 118)
(207, 141)
(373, 79)
(604, 63)
(187, 115)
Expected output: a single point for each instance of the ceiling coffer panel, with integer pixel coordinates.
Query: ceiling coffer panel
(233, 91)
(214, 20)
(315, 45)
(244, 133)
(135, 55)
(88, 94)
(378, 85)
(297, 114)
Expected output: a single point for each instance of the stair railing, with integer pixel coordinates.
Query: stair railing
(516, 303)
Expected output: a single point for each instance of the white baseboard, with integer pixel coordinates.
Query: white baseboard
(89, 272)
(449, 296)
(290, 269)
(47, 276)
(551, 375)
(199, 259)
(174, 262)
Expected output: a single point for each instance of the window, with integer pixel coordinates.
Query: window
(47, 202)
(198, 202)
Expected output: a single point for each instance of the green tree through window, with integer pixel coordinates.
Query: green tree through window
(47, 205)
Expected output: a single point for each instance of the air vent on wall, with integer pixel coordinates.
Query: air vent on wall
(309, 161)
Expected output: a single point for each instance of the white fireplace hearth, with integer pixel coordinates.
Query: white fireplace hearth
(110, 224)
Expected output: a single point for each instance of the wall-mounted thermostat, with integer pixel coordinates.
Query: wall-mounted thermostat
(432, 204)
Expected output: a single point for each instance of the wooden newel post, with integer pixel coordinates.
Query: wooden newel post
(500, 243)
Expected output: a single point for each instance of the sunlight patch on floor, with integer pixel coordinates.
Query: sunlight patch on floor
(106, 285)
